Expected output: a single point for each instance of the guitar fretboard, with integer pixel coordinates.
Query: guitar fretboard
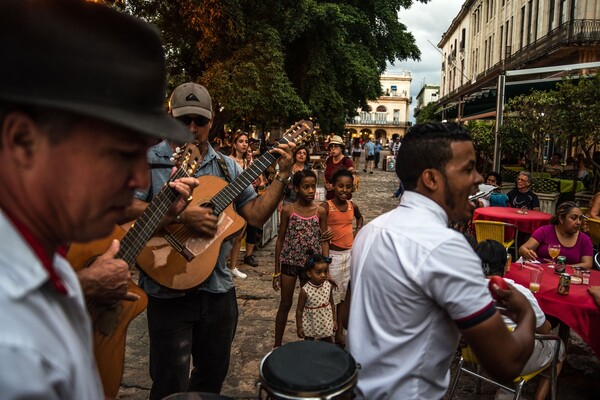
(229, 193)
(143, 229)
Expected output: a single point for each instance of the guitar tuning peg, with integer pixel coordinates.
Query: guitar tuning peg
(172, 159)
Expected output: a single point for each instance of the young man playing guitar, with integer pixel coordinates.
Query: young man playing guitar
(201, 322)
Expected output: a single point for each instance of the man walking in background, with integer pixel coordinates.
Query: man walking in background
(370, 155)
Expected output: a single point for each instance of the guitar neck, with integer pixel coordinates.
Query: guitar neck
(144, 227)
(230, 192)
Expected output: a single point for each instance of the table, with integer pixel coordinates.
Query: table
(577, 310)
(525, 222)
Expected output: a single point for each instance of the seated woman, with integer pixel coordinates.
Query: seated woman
(563, 230)
(594, 206)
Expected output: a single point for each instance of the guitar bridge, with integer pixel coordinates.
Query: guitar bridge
(180, 248)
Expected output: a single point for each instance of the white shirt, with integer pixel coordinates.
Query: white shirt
(414, 283)
(540, 317)
(45, 337)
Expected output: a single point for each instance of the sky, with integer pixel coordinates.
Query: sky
(426, 22)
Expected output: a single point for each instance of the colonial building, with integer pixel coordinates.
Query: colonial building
(388, 115)
(488, 37)
(428, 94)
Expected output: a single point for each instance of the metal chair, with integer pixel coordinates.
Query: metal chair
(468, 357)
(495, 230)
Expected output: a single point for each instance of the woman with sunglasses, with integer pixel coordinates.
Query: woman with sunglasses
(242, 154)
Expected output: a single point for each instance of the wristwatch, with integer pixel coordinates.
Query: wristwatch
(282, 180)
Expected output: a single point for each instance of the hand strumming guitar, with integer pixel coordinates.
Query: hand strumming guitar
(201, 219)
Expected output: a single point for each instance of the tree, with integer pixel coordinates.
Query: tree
(483, 141)
(578, 115)
(528, 120)
(275, 60)
(428, 113)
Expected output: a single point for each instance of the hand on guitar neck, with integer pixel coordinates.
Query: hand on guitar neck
(106, 280)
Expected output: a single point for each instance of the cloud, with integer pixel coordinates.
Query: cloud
(426, 22)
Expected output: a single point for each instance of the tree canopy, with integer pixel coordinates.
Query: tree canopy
(275, 61)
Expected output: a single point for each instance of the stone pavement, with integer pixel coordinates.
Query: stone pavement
(258, 304)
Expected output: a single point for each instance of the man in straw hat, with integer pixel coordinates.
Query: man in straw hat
(336, 160)
(82, 88)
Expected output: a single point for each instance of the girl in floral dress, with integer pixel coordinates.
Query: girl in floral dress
(302, 223)
(315, 314)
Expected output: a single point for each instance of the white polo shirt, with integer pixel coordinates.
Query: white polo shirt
(45, 337)
(414, 283)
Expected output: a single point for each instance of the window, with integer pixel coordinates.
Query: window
(522, 28)
(535, 21)
(551, 15)
(529, 27)
(500, 45)
(563, 12)
(381, 109)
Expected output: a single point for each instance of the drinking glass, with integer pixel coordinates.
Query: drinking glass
(535, 280)
(553, 252)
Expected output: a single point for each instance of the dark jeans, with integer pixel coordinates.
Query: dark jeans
(252, 234)
(200, 324)
(377, 154)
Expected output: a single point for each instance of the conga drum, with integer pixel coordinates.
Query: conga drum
(308, 370)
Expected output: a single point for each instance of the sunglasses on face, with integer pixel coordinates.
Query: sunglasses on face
(199, 121)
(334, 145)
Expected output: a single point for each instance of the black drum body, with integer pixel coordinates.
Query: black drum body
(308, 370)
(196, 396)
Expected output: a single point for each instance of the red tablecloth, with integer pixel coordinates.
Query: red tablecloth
(525, 222)
(577, 310)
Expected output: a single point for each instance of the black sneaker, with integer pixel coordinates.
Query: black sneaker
(250, 261)
(364, 170)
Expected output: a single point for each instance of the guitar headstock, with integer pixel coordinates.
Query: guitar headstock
(298, 131)
(187, 158)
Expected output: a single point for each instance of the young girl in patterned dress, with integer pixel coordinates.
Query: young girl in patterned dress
(302, 223)
(315, 314)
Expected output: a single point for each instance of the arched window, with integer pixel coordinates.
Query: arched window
(381, 109)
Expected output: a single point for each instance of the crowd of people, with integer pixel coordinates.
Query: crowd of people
(406, 285)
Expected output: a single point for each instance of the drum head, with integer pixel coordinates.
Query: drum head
(307, 367)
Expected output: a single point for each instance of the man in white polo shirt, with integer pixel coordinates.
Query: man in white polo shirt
(417, 284)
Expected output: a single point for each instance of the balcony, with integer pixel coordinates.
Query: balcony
(557, 44)
(358, 121)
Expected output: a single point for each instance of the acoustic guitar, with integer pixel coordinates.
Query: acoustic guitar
(181, 260)
(111, 321)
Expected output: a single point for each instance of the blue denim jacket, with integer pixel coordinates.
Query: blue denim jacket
(219, 281)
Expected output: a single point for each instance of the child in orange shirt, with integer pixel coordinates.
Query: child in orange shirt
(340, 214)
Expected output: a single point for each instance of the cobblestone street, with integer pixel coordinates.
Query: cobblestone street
(258, 304)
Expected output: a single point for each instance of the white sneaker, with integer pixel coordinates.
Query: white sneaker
(502, 394)
(238, 274)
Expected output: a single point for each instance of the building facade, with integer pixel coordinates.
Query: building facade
(489, 37)
(428, 94)
(388, 115)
